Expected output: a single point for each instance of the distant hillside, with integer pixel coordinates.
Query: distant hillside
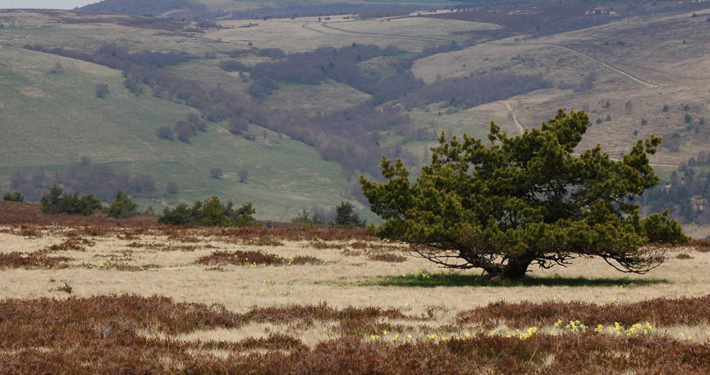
(145, 7)
(288, 112)
(52, 118)
(193, 9)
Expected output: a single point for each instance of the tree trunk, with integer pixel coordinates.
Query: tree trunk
(515, 269)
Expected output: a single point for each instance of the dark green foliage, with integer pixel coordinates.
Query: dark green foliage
(211, 212)
(51, 200)
(523, 200)
(180, 215)
(309, 218)
(215, 214)
(345, 217)
(660, 228)
(243, 216)
(122, 207)
(13, 196)
(56, 201)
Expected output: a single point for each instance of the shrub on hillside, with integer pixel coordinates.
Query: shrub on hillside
(171, 188)
(197, 122)
(101, 90)
(184, 131)
(13, 196)
(165, 132)
(309, 218)
(122, 207)
(216, 173)
(211, 212)
(345, 217)
(56, 201)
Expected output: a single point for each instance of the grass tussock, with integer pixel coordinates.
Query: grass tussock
(256, 258)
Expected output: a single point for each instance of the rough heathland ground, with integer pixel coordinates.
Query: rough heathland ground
(254, 299)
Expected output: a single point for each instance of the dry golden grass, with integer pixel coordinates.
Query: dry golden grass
(259, 318)
(308, 33)
(155, 264)
(675, 61)
(409, 27)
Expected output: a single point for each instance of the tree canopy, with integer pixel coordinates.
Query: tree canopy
(522, 200)
(122, 207)
(211, 212)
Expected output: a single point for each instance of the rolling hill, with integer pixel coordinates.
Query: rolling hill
(361, 87)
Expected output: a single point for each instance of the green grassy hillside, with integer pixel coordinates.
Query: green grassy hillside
(52, 119)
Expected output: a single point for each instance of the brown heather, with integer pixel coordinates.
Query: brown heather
(240, 257)
(37, 259)
(700, 245)
(73, 242)
(129, 334)
(387, 258)
(253, 235)
(658, 311)
(100, 335)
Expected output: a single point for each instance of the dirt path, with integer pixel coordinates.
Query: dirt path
(391, 36)
(608, 66)
(515, 117)
(589, 57)
(308, 26)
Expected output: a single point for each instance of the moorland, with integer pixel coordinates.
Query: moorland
(96, 295)
(284, 105)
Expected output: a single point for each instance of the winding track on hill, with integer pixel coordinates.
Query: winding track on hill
(515, 117)
(647, 84)
(522, 130)
(608, 66)
(517, 122)
(328, 25)
(619, 71)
